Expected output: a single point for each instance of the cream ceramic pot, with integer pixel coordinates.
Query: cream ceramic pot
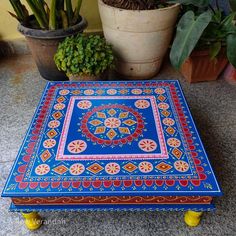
(140, 39)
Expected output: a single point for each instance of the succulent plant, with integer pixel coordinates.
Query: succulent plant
(60, 14)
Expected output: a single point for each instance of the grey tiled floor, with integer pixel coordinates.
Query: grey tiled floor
(213, 106)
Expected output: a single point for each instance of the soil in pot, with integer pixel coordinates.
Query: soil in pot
(43, 45)
(199, 67)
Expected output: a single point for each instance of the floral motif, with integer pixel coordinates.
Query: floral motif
(181, 166)
(142, 104)
(111, 91)
(124, 91)
(136, 91)
(100, 91)
(77, 169)
(112, 168)
(42, 169)
(159, 91)
(168, 121)
(77, 146)
(64, 92)
(54, 124)
(163, 105)
(89, 92)
(49, 143)
(84, 104)
(148, 91)
(145, 167)
(147, 145)
(173, 142)
(59, 106)
(112, 124)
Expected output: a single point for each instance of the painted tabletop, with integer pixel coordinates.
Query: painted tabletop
(112, 139)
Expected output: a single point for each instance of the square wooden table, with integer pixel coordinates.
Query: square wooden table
(112, 146)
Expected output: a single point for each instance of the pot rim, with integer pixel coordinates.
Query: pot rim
(52, 34)
(100, 2)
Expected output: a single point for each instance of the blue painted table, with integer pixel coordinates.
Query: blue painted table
(112, 146)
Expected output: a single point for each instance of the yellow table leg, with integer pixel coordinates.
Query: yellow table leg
(192, 218)
(32, 220)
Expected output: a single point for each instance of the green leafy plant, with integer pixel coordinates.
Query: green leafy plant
(202, 26)
(84, 55)
(59, 15)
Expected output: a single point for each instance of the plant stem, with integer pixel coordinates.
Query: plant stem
(69, 11)
(17, 6)
(52, 17)
(40, 6)
(64, 19)
(38, 17)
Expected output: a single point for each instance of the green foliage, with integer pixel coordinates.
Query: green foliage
(203, 27)
(55, 17)
(189, 31)
(84, 55)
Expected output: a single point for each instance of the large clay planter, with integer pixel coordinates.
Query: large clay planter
(140, 39)
(43, 46)
(199, 67)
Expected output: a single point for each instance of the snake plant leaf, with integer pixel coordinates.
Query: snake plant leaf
(189, 31)
(231, 48)
(199, 3)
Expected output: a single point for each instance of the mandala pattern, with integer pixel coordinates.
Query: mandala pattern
(77, 146)
(49, 143)
(168, 121)
(89, 92)
(42, 169)
(112, 168)
(147, 145)
(112, 124)
(64, 92)
(111, 91)
(54, 124)
(173, 142)
(142, 104)
(84, 104)
(137, 91)
(145, 167)
(163, 106)
(159, 91)
(77, 169)
(181, 166)
(59, 106)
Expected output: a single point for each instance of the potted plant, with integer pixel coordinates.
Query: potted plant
(46, 28)
(204, 42)
(230, 71)
(84, 57)
(140, 32)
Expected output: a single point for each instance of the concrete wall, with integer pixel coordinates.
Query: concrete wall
(8, 25)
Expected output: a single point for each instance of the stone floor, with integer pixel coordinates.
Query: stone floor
(213, 106)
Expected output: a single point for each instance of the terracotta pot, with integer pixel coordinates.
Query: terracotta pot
(199, 67)
(43, 45)
(103, 76)
(140, 39)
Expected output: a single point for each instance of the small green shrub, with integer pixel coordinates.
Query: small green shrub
(84, 55)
